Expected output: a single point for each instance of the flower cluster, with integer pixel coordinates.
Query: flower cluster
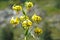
(17, 7)
(29, 5)
(24, 19)
(36, 18)
(26, 24)
(37, 30)
(14, 21)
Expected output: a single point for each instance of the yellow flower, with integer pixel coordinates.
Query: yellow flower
(29, 5)
(26, 24)
(36, 18)
(17, 8)
(12, 20)
(15, 21)
(38, 30)
(24, 18)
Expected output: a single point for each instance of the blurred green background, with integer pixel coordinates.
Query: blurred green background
(49, 10)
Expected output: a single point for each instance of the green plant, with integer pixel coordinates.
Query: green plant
(25, 21)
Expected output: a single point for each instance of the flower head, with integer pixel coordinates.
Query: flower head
(26, 24)
(29, 5)
(36, 18)
(24, 18)
(15, 21)
(12, 20)
(38, 30)
(17, 8)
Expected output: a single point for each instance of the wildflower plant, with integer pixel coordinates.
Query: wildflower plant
(25, 21)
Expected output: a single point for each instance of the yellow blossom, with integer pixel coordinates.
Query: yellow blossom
(29, 5)
(23, 18)
(26, 24)
(17, 8)
(38, 30)
(15, 21)
(36, 18)
(12, 20)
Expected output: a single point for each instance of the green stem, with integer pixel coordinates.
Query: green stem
(24, 13)
(26, 33)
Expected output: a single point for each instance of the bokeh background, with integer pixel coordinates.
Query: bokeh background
(49, 10)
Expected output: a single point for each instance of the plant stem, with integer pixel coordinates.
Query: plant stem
(26, 33)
